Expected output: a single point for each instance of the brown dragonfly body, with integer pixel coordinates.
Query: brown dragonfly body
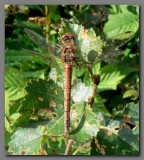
(68, 58)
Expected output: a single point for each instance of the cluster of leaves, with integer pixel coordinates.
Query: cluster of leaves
(33, 87)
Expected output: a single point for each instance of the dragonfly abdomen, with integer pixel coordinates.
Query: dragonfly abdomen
(67, 94)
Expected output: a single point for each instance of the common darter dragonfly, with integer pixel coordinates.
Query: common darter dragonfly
(71, 54)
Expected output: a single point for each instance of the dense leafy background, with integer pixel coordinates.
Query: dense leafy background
(33, 86)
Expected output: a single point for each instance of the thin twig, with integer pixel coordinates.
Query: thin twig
(10, 25)
(79, 148)
(94, 90)
(48, 22)
(96, 79)
(68, 147)
(9, 122)
(65, 141)
(90, 70)
(43, 12)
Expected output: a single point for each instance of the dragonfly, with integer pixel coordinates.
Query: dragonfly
(71, 55)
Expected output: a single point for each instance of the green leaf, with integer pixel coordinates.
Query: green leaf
(14, 107)
(125, 9)
(7, 139)
(26, 141)
(56, 146)
(134, 94)
(31, 74)
(14, 44)
(120, 23)
(51, 10)
(130, 9)
(31, 26)
(14, 86)
(43, 102)
(17, 56)
(14, 116)
(80, 92)
(43, 106)
(77, 72)
(123, 36)
(111, 76)
(84, 123)
(99, 106)
(7, 108)
(121, 136)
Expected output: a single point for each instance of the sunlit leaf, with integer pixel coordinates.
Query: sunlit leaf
(111, 76)
(26, 141)
(131, 93)
(120, 23)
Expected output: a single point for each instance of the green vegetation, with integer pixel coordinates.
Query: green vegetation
(34, 97)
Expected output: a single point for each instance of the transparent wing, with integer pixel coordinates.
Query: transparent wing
(119, 40)
(93, 57)
(86, 52)
(51, 59)
(92, 53)
(43, 43)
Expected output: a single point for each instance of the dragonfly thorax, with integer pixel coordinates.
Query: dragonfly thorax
(68, 48)
(68, 52)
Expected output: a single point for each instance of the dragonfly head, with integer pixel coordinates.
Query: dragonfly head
(67, 38)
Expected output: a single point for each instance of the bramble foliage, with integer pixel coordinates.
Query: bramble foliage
(34, 97)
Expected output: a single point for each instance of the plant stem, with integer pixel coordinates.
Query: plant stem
(103, 127)
(79, 148)
(68, 147)
(9, 122)
(48, 22)
(80, 8)
(65, 141)
(96, 79)
(94, 90)
(10, 25)
(40, 9)
(90, 70)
